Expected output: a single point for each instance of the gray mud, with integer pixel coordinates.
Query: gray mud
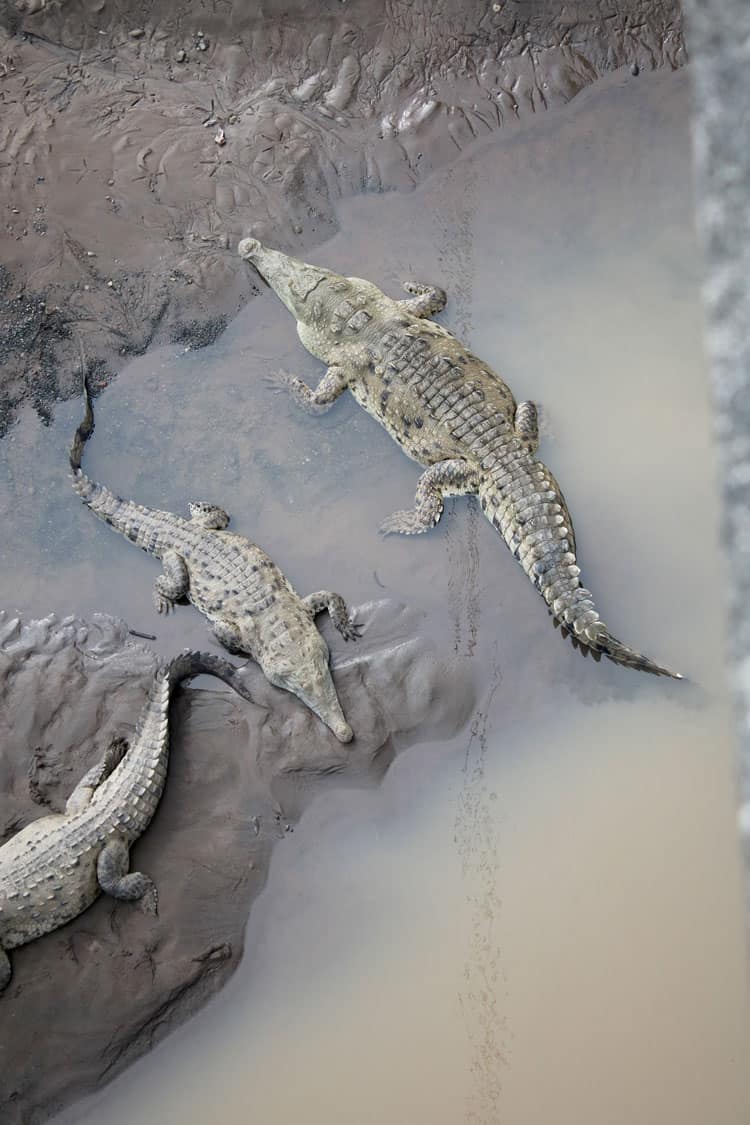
(573, 829)
(120, 211)
(91, 997)
(554, 881)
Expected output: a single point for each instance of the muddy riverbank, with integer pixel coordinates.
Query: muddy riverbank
(138, 144)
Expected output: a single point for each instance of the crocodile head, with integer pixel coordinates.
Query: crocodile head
(300, 665)
(293, 281)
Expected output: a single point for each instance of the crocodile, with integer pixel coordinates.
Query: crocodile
(451, 413)
(251, 607)
(55, 867)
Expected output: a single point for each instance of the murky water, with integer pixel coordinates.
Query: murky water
(547, 925)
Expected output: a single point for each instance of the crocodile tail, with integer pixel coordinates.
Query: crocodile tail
(101, 500)
(86, 427)
(87, 489)
(189, 664)
(592, 636)
(534, 521)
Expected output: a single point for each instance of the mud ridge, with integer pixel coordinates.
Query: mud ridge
(137, 145)
(111, 984)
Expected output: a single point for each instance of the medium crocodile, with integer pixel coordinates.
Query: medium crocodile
(451, 413)
(250, 606)
(55, 867)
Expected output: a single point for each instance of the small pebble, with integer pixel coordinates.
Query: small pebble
(181, 56)
(202, 44)
(137, 33)
(635, 70)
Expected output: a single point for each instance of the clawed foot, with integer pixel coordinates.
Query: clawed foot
(407, 522)
(278, 381)
(163, 605)
(150, 901)
(351, 630)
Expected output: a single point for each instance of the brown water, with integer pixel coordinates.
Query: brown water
(541, 922)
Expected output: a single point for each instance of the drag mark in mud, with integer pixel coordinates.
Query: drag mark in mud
(475, 835)
(457, 259)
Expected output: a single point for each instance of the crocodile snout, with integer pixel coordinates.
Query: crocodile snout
(343, 731)
(248, 247)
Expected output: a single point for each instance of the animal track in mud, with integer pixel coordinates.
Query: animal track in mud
(372, 101)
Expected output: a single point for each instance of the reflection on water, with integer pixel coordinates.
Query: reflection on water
(546, 925)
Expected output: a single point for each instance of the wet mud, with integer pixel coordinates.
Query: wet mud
(556, 889)
(113, 983)
(137, 145)
(565, 243)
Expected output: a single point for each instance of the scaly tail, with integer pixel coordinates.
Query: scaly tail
(86, 428)
(592, 636)
(123, 515)
(533, 519)
(189, 664)
(95, 495)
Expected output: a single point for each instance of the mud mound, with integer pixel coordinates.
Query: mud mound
(112, 983)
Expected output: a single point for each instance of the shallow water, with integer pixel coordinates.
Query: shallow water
(543, 921)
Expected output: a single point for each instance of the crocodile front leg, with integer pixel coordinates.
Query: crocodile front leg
(454, 477)
(337, 610)
(5, 970)
(81, 796)
(427, 299)
(173, 584)
(317, 401)
(527, 426)
(115, 879)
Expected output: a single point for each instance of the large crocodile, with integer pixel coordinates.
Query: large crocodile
(55, 867)
(448, 411)
(250, 606)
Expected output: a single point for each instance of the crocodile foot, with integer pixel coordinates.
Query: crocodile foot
(406, 522)
(279, 381)
(351, 630)
(162, 604)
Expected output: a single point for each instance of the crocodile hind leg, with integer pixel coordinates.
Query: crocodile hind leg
(210, 516)
(337, 610)
(5, 969)
(227, 634)
(527, 426)
(446, 478)
(317, 401)
(115, 879)
(81, 796)
(427, 299)
(173, 584)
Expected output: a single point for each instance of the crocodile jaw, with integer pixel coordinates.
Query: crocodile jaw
(314, 687)
(292, 281)
(323, 701)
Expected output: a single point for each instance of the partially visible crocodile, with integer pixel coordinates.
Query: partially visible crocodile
(250, 606)
(449, 411)
(55, 867)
